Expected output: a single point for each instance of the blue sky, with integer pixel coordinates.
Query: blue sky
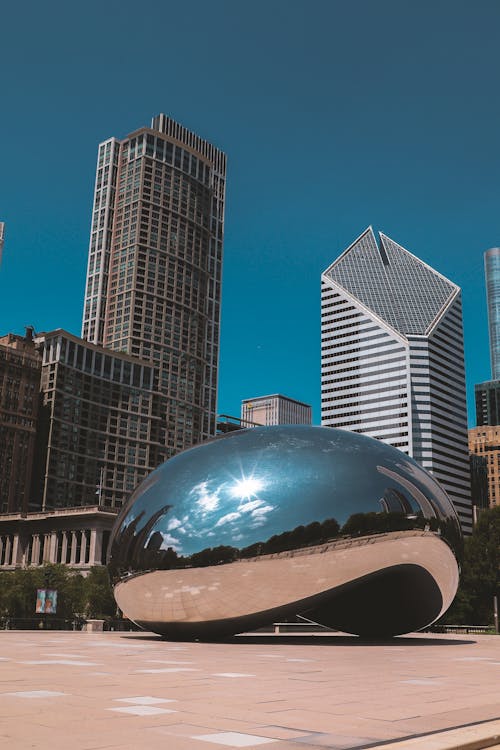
(334, 115)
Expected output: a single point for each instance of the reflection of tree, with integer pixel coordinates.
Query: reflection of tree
(361, 524)
(155, 558)
(301, 536)
(364, 524)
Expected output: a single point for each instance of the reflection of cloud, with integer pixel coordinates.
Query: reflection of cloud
(173, 524)
(170, 541)
(257, 523)
(227, 519)
(250, 505)
(206, 500)
(260, 512)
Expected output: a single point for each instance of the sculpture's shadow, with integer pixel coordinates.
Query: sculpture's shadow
(325, 639)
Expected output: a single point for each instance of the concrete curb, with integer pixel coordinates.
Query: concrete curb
(476, 737)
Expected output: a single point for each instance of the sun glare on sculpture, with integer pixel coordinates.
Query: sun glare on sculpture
(246, 488)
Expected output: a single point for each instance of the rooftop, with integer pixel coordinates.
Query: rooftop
(388, 280)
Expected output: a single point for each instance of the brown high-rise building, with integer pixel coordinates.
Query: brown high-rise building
(154, 269)
(20, 367)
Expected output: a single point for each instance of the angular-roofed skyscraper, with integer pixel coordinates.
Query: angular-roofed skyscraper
(393, 358)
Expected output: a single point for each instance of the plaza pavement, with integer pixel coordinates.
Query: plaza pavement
(87, 691)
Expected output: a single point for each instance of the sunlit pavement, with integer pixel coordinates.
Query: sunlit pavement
(85, 691)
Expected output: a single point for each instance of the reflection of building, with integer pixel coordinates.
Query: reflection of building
(99, 426)
(393, 359)
(275, 409)
(77, 537)
(20, 366)
(154, 268)
(484, 446)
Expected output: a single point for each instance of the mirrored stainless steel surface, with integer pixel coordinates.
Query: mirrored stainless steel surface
(270, 522)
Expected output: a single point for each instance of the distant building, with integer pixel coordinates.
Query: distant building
(484, 446)
(20, 368)
(487, 394)
(77, 537)
(487, 397)
(392, 358)
(2, 239)
(274, 409)
(484, 440)
(154, 267)
(97, 437)
(492, 274)
(99, 423)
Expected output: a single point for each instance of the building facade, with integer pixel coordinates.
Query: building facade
(99, 424)
(487, 397)
(392, 359)
(154, 270)
(274, 409)
(76, 537)
(20, 369)
(484, 446)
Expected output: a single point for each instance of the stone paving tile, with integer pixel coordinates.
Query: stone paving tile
(331, 692)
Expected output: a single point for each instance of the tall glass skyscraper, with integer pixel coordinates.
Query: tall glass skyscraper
(492, 273)
(392, 363)
(154, 268)
(2, 237)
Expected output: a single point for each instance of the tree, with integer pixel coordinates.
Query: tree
(481, 575)
(480, 580)
(100, 602)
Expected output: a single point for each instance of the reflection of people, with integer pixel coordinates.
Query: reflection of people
(40, 600)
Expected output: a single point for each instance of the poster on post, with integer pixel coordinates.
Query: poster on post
(46, 601)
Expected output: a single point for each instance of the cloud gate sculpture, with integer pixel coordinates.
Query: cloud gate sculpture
(267, 523)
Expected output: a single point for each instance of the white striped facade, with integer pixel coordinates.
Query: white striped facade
(406, 388)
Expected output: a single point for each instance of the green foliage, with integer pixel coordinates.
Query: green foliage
(100, 602)
(480, 579)
(76, 596)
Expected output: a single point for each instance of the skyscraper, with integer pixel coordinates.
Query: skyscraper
(154, 269)
(492, 273)
(393, 358)
(484, 439)
(487, 394)
(2, 238)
